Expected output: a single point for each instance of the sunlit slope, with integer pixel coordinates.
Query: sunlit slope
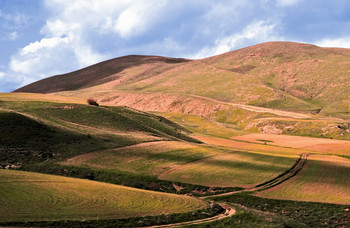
(40, 97)
(282, 75)
(324, 179)
(26, 196)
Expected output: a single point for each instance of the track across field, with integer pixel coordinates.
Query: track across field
(323, 179)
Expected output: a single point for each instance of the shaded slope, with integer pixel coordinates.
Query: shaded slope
(96, 74)
(34, 131)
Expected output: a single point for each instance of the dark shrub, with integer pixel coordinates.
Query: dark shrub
(91, 101)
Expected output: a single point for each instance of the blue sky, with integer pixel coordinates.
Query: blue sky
(41, 38)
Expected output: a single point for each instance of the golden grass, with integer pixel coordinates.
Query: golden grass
(322, 145)
(190, 163)
(202, 125)
(40, 97)
(233, 168)
(325, 178)
(258, 147)
(152, 158)
(26, 196)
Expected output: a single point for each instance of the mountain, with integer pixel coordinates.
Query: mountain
(282, 75)
(266, 88)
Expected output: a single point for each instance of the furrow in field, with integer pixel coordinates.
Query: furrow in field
(76, 199)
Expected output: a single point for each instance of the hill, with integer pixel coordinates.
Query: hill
(274, 87)
(35, 131)
(281, 75)
(27, 196)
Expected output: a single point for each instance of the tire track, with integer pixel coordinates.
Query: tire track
(294, 170)
(229, 211)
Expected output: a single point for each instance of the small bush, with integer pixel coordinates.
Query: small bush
(91, 101)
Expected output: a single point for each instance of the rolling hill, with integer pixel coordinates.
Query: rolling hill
(266, 88)
(27, 196)
(265, 125)
(281, 75)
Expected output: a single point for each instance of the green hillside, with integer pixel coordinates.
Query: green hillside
(36, 131)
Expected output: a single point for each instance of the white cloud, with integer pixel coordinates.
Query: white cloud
(2, 74)
(134, 19)
(45, 43)
(341, 42)
(72, 31)
(255, 32)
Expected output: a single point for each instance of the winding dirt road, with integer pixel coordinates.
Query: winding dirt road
(229, 211)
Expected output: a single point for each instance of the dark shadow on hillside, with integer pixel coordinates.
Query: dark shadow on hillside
(94, 75)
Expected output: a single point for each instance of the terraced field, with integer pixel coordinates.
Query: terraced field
(324, 179)
(26, 196)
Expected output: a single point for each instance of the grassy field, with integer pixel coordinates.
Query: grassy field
(325, 178)
(40, 97)
(232, 168)
(27, 196)
(264, 212)
(37, 131)
(203, 125)
(154, 158)
(313, 145)
(195, 164)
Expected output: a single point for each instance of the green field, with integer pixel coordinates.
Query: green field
(202, 125)
(26, 196)
(181, 162)
(324, 179)
(233, 168)
(153, 158)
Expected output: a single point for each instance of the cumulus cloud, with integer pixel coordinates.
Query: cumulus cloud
(341, 42)
(74, 29)
(253, 33)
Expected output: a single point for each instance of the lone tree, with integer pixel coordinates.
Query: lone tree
(91, 101)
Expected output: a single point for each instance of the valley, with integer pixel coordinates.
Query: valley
(264, 130)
